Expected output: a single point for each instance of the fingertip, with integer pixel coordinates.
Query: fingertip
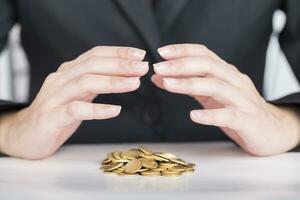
(146, 68)
(165, 51)
(155, 68)
(196, 115)
(138, 54)
(170, 82)
(154, 77)
(116, 110)
(136, 85)
(110, 111)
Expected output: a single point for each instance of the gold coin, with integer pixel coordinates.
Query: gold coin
(145, 150)
(109, 173)
(166, 155)
(111, 157)
(125, 174)
(118, 170)
(150, 173)
(179, 161)
(105, 161)
(133, 166)
(104, 166)
(129, 155)
(167, 165)
(140, 153)
(142, 170)
(149, 163)
(178, 168)
(191, 164)
(158, 158)
(170, 173)
(188, 171)
(115, 157)
(158, 169)
(113, 166)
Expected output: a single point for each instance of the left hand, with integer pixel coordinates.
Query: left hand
(229, 98)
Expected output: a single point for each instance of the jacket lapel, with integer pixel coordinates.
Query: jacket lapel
(139, 13)
(167, 12)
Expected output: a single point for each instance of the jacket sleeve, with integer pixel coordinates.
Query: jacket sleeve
(289, 40)
(7, 20)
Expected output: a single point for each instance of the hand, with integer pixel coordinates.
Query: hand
(229, 98)
(65, 99)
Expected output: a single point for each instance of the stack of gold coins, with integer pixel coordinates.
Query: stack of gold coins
(143, 161)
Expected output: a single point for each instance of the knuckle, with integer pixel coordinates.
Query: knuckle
(84, 82)
(226, 118)
(211, 115)
(51, 77)
(233, 67)
(125, 64)
(179, 63)
(91, 61)
(192, 84)
(245, 77)
(63, 66)
(114, 80)
(209, 60)
(72, 108)
(209, 65)
(211, 87)
(183, 48)
(95, 50)
(202, 47)
(123, 51)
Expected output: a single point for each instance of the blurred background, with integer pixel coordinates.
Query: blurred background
(279, 79)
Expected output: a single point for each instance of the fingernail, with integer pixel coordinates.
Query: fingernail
(145, 64)
(196, 114)
(131, 80)
(171, 81)
(138, 53)
(115, 109)
(160, 68)
(164, 51)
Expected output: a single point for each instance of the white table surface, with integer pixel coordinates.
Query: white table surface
(222, 172)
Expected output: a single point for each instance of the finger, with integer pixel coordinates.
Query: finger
(175, 51)
(198, 66)
(88, 85)
(106, 66)
(115, 51)
(222, 117)
(79, 110)
(214, 88)
(158, 81)
(130, 53)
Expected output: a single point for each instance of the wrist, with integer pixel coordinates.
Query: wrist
(290, 118)
(5, 125)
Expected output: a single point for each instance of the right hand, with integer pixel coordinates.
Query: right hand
(65, 99)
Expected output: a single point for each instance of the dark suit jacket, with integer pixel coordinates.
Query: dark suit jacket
(59, 30)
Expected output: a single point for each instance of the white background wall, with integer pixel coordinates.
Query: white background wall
(279, 78)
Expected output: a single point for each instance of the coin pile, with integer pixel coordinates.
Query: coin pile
(145, 162)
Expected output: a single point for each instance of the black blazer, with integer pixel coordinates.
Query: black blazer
(59, 30)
